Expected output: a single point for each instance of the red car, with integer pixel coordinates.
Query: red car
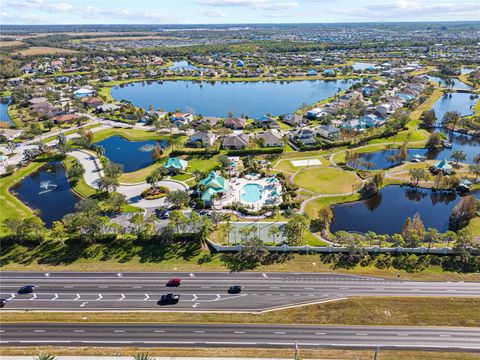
(174, 282)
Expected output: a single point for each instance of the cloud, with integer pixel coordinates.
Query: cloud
(253, 4)
(41, 5)
(410, 10)
(214, 13)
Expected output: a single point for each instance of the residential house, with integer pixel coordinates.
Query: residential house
(236, 142)
(91, 102)
(180, 119)
(329, 132)
(235, 123)
(266, 122)
(176, 164)
(271, 138)
(206, 138)
(294, 119)
(65, 118)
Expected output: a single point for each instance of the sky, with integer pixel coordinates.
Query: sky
(233, 11)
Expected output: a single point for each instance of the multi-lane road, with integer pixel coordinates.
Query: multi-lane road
(224, 335)
(205, 291)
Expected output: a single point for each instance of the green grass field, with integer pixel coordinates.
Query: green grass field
(10, 206)
(325, 180)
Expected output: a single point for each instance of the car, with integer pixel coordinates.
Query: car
(235, 289)
(3, 302)
(162, 213)
(173, 282)
(169, 299)
(27, 289)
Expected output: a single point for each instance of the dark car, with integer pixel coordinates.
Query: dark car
(173, 282)
(27, 289)
(169, 299)
(3, 302)
(162, 213)
(236, 289)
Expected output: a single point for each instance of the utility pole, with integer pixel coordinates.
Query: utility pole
(377, 350)
(296, 351)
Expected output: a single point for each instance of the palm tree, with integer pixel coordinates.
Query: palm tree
(45, 356)
(143, 356)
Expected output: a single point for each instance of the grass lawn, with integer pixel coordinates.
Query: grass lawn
(182, 177)
(10, 206)
(139, 175)
(325, 180)
(81, 187)
(402, 136)
(129, 134)
(124, 255)
(474, 226)
(384, 311)
(231, 353)
(312, 207)
(426, 105)
(202, 163)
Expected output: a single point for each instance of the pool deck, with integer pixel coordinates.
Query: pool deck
(234, 194)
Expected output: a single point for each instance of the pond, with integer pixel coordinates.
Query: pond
(461, 102)
(363, 66)
(48, 191)
(211, 98)
(386, 212)
(457, 83)
(4, 115)
(468, 144)
(133, 155)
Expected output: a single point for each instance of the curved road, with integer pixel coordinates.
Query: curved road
(206, 291)
(237, 335)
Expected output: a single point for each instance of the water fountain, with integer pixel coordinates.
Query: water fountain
(46, 186)
(146, 148)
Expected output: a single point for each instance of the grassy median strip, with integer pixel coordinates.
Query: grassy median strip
(391, 311)
(240, 352)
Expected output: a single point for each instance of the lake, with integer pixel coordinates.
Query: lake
(254, 98)
(468, 144)
(460, 102)
(4, 116)
(182, 65)
(48, 191)
(133, 155)
(386, 212)
(458, 84)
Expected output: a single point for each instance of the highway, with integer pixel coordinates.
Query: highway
(235, 335)
(89, 291)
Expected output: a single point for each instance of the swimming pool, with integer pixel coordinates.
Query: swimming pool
(252, 193)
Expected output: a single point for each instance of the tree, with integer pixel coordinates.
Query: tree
(45, 356)
(114, 202)
(451, 118)
(177, 221)
(428, 119)
(154, 178)
(463, 212)
(416, 175)
(143, 356)
(113, 170)
(439, 180)
(273, 232)
(476, 159)
(224, 161)
(413, 231)
(458, 155)
(226, 229)
(295, 229)
(323, 220)
(108, 183)
(178, 199)
(435, 140)
(157, 152)
(11, 147)
(75, 171)
(475, 169)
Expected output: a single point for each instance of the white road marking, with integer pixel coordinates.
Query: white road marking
(79, 331)
(320, 333)
(100, 297)
(199, 331)
(361, 334)
(280, 332)
(122, 297)
(239, 332)
(146, 297)
(78, 297)
(159, 331)
(39, 331)
(118, 331)
(55, 297)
